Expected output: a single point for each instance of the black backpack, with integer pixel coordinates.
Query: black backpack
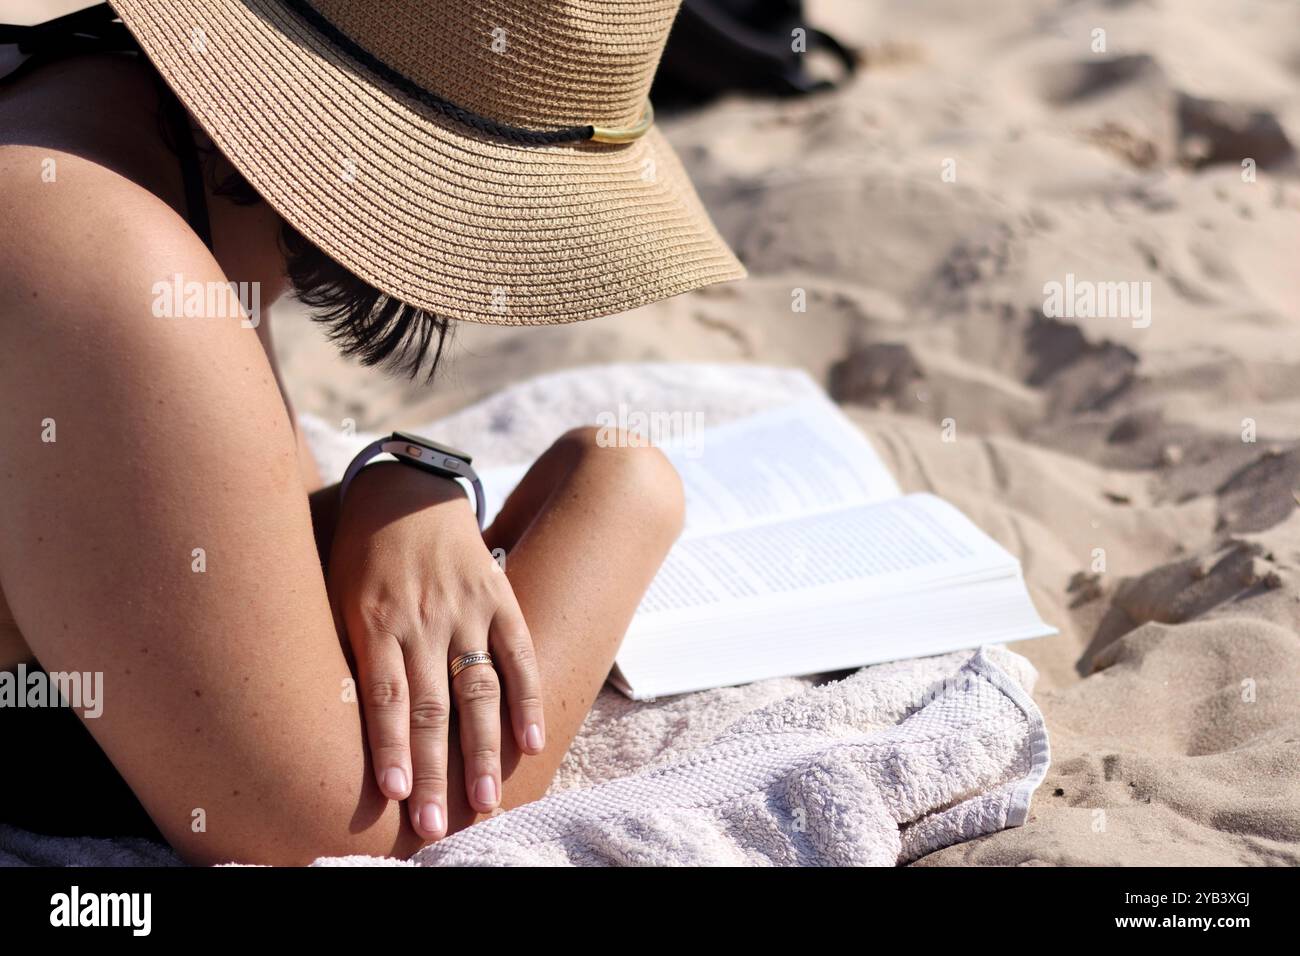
(716, 46)
(719, 46)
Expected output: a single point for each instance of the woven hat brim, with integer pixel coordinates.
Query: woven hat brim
(416, 205)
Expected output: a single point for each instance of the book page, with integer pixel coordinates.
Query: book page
(798, 459)
(900, 544)
(497, 485)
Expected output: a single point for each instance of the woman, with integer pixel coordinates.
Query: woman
(396, 166)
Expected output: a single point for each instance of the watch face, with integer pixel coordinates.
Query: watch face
(442, 451)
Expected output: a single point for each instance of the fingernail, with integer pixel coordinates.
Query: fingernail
(533, 737)
(431, 819)
(485, 791)
(395, 782)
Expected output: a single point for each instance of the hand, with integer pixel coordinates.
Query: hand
(415, 588)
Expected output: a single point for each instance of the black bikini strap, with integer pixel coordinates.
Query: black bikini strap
(196, 194)
(97, 30)
(92, 30)
(92, 26)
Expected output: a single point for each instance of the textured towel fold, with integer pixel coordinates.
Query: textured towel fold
(877, 769)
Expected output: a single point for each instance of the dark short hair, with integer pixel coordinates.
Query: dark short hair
(363, 322)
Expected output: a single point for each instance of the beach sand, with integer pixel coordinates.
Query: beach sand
(1143, 466)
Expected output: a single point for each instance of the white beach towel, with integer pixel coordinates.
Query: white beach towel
(882, 767)
(878, 769)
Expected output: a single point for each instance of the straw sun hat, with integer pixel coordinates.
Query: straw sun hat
(488, 160)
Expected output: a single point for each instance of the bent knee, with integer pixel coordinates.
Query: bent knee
(638, 473)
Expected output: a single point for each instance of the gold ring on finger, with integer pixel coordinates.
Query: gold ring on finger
(469, 660)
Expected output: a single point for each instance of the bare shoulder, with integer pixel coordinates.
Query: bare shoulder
(90, 264)
(73, 229)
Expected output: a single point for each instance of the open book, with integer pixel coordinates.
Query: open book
(800, 555)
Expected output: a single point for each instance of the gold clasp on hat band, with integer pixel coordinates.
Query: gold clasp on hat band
(625, 134)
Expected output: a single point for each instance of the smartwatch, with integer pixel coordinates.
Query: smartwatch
(425, 454)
